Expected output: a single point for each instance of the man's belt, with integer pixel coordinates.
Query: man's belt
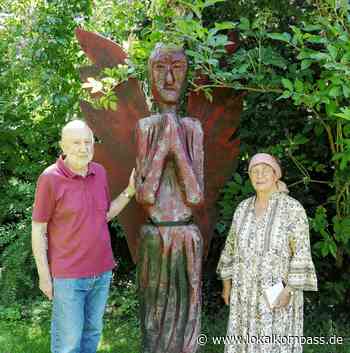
(184, 222)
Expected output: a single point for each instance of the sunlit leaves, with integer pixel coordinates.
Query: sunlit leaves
(94, 85)
(284, 37)
(198, 6)
(109, 79)
(287, 84)
(345, 114)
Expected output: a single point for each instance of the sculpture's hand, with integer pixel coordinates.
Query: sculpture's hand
(152, 161)
(172, 122)
(185, 164)
(165, 133)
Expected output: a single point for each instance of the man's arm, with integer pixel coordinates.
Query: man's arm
(39, 247)
(118, 204)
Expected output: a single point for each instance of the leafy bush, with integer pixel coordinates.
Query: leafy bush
(16, 261)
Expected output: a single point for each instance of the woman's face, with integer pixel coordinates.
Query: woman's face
(263, 178)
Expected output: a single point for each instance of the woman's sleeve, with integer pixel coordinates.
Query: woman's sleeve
(301, 275)
(225, 265)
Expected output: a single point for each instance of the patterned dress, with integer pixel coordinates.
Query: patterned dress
(259, 252)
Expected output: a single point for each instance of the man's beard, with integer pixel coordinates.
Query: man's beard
(82, 162)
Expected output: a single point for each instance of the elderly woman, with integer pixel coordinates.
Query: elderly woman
(268, 243)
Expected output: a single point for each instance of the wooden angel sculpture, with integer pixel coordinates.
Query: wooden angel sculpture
(169, 183)
(181, 163)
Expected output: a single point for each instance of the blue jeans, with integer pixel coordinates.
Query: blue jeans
(78, 308)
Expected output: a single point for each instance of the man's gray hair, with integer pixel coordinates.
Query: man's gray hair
(75, 124)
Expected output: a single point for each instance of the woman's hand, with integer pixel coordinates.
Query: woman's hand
(283, 299)
(226, 291)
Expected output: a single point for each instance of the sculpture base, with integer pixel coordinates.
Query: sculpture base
(169, 284)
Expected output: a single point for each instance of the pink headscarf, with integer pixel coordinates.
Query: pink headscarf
(272, 162)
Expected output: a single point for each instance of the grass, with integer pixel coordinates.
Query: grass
(25, 328)
(19, 338)
(33, 337)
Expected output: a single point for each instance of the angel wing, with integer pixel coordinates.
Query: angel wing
(117, 150)
(220, 121)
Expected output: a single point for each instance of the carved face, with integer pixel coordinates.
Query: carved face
(169, 69)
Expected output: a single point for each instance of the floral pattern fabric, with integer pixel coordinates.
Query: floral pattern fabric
(259, 252)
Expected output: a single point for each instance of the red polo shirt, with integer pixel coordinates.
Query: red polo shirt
(74, 208)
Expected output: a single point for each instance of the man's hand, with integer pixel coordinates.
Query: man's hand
(45, 285)
(131, 185)
(226, 291)
(118, 204)
(39, 246)
(283, 299)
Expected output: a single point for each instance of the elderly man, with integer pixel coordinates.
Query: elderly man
(71, 242)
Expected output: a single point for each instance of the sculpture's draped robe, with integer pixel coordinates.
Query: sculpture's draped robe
(169, 182)
(258, 253)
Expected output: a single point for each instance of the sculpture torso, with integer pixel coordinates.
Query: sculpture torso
(175, 190)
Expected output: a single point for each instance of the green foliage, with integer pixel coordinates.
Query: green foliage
(234, 192)
(18, 269)
(40, 90)
(320, 84)
(124, 302)
(12, 313)
(16, 262)
(104, 85)
(39, 82)
(180, 24)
